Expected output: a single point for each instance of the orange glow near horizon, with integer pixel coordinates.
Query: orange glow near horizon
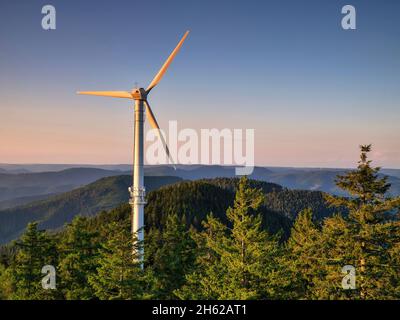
(100, 132)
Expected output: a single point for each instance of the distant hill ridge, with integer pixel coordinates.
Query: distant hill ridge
(193, 199)
(17, 189)
(55, 211)
(33, 184)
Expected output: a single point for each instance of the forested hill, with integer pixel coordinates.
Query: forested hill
(192, 200)
(94, 257)
(21, 185)
(18, 189)
(195, 199)
(57, 210)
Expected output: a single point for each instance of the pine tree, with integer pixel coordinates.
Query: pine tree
(366, 238)
(206, 280)
(36, 249)
(303, 258)
(236, 263)
(152, 243)
(2, 291)
(335, 251)
(394, 260)
(119, 274)
(247, 251)
(6, 285)
(173, 258)
(79, 253)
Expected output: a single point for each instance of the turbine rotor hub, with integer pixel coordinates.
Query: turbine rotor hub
(139, 94)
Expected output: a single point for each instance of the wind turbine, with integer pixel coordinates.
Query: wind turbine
(139, 95)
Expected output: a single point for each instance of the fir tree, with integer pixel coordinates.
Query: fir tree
(119, 274)
(366, 237)
(6, 285)
(303, 258)
(241, 262)
(173, 258)
(79, 251)
(206, 280)
(36, 249)
(247, 251)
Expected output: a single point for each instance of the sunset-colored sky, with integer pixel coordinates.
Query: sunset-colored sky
(312, 91)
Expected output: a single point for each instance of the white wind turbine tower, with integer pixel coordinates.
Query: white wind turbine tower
(139, 95)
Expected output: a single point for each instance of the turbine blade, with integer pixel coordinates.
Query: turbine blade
(154, 125)
(166, 64)
(114, 94)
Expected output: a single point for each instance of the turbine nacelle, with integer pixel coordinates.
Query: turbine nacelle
(139, 94)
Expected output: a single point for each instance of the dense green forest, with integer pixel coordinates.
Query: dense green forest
(195, 199)
(222, 239)
(52, 213)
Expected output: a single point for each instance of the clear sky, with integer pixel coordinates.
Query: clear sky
(312, 91)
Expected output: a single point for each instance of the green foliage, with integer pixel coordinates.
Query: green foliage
(366, 238)
(303, 260)
(36, 249)
(119, 275)
(368, 234)
(222, 239)
(78, 259)
(170, 255)
(54, 212)
(206, 279)
(237, 262)
(2, 271)
(196, 199)
(6, 286)
(291, 202)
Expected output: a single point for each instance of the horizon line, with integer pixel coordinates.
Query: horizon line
(193, 164)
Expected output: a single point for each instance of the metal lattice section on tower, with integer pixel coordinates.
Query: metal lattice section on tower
(137, 195)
